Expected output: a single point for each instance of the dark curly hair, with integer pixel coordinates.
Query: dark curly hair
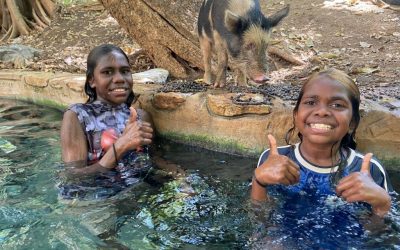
(93, 58)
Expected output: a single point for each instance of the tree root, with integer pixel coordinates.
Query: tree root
(8, 34)
(22, 17)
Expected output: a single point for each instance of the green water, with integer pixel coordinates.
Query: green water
(208, 209)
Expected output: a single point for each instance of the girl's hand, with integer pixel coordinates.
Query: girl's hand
(136, 133)
(360, 186)
(277, 169)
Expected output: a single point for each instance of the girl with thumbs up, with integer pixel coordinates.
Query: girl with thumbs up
(99, 135)
(104, 144)
(105, 137)
(324, 162)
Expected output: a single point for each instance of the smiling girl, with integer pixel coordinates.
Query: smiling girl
(325, 162)
(100, 137)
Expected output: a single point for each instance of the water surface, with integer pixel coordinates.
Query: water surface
(207, 209)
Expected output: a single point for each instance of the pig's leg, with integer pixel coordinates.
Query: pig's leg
(222, 58)
(206, 49)
(241, 78)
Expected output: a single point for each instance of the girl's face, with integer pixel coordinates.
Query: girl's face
(112, 79)
(325, 112)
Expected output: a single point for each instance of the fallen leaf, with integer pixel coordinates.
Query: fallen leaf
(68, 60)
(309, 43)
(329, 56)
(273, 42)
(292, 47)
(365, 45)
(365, 70)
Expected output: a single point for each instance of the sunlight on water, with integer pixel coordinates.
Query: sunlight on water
(209, 208)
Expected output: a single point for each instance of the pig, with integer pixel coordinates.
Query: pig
(238, 29)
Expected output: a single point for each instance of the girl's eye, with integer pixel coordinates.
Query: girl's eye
(126, 71)
(337, 105)
(107, 72)
(309, 102)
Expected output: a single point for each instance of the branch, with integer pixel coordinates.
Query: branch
(285, 55)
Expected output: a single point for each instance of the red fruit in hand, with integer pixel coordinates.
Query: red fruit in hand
(108, 137)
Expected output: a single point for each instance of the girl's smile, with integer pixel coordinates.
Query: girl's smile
(320, 127)
(112, 79)
(324, 113)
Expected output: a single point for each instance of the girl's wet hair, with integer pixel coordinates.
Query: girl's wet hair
(348, 141)
(93, 58)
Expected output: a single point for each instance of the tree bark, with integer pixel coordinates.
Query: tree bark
(21, 17)
(165, 29)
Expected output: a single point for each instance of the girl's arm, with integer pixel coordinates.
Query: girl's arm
(258, 192)
(276, 169)
(74, 149)
(74, 145)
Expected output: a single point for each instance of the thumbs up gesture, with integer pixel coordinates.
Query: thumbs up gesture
(133, 116)
(359, 186)
(136, 133)
(277, 169)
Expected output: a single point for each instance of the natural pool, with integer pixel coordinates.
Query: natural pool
(209, 209)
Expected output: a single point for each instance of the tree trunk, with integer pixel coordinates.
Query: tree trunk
(165, 29)
(20, 17)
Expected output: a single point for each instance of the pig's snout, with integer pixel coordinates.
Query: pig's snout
(260, 78)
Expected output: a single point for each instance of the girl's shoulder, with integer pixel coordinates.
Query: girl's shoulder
(77, 107)
(355, 159)
(377, 170)
(287, 150)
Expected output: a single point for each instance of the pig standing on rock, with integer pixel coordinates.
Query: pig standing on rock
(239, 29)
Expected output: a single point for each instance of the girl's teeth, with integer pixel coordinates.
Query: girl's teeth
(118, 90)
(321, 126)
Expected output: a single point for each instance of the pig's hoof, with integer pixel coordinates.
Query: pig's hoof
(218, 85)
(203, 82)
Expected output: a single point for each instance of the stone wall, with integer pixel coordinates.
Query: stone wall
(208, 119)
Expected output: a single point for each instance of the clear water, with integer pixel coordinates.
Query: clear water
(208, 209)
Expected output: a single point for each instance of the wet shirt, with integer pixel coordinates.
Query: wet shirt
(316, 180)
(310, 211)
(95, 118)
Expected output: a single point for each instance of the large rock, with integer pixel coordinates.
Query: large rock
(223, 105)
(18, 54)
(206, 119)
(193, 123)
(168, 101)
(379, 133)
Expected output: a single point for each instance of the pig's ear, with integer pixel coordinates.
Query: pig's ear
(277, 17)
(232, 21)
